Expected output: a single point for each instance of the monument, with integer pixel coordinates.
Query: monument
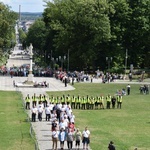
(30, 76)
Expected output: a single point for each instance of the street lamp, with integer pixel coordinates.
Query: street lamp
(126, 57)
(109, 60)
(62, 59)
(68, 61)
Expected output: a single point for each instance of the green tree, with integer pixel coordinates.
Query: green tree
(137, 35)
(7, 24)
(79, 26)
(22, 37)
(7, 31)
(37, 35)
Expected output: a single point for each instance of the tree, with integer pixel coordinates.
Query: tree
(37, 35)
(78, 25)
(7, 24)
(137, 35)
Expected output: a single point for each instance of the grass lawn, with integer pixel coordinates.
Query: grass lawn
(128, 127)
(14, 130)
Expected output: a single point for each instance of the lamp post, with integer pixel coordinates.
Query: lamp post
(126, 57)
(109, 60)
(68, 61)
(62, 59)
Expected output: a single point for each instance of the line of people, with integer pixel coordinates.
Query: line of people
(77, 102)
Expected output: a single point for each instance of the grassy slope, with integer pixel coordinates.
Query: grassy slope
(14, 130)
(128, 127)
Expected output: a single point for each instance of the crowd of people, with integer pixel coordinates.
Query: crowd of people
(63, 121)
(144, 89)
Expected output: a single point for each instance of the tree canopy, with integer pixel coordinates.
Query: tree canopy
(91, 31)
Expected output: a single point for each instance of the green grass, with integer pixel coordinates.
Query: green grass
(14, 129)
(128, 127)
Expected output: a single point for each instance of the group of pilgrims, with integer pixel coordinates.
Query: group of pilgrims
(61, 116)
(58, 111)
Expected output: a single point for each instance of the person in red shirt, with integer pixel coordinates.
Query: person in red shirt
(71, 126)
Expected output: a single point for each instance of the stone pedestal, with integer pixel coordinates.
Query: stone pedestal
(30, 78)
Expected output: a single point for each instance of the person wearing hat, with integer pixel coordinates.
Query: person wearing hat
(111, 146)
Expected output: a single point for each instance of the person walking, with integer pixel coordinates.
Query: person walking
(111, 146)
(78, 136)
(55, 134)
(86, 138)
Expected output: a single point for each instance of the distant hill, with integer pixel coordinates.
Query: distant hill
(30, 15)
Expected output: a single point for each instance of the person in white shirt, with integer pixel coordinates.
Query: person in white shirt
(55, 134)
(62, 125)
(40, 112)
(51, 107)
(72, 117)
(86, 138)
(34, 111)
(53, 116)
(47, 113)
(62, 138)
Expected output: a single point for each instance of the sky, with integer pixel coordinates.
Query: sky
(26, 5)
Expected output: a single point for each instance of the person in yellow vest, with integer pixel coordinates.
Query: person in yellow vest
(52, 99)
(55, 100)
(64, 97)
(108, 99)
(27, 99)
(96, 102)
(83, 102)
(102, 102)
(78, 102)
(45, 101)
(34, 100)
(119, 101)
(73, 102)
(92, 102)
(68, 100)
(62, 100)
(40, 98)
(87, 102)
